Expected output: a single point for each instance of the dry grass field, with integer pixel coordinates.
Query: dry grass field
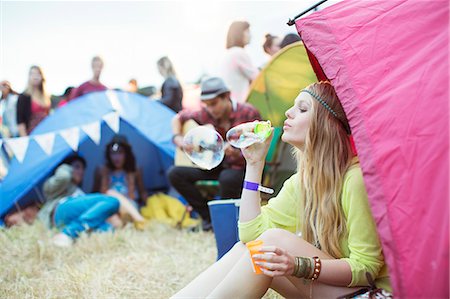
(153, 263)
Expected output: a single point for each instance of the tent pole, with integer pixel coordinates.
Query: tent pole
(39, 195)
(292, 21)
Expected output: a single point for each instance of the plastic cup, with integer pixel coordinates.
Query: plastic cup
(254, 248)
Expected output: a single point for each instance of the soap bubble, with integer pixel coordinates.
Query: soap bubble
(247, 134)
(204, 146)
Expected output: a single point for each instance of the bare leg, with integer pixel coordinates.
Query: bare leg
(284, 287)
(203, 284)
(126, 207)
(115, 221)
(241, 282)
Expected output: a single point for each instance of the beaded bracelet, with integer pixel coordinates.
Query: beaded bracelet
(317, 268)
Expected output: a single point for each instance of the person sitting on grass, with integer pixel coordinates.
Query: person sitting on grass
(120, 177)
(69, 209)
(325, 201)
(72, 211)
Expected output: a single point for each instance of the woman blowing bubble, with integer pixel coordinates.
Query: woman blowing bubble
(319, 237)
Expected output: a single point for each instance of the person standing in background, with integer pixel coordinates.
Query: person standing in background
(132, 86)
(290, 38)
(65, 97)
(271, 44)
(33, 105)
(8, 109)
(237, 69)
(171, 90)
(92, 85)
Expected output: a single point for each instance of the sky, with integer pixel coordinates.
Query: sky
(62, 37)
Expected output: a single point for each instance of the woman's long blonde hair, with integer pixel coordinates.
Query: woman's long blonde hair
(40, 93)
(322, 164)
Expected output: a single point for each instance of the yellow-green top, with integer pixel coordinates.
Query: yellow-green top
(361, 247)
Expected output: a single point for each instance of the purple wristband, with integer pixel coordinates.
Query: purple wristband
(257, 187)
(251, 186)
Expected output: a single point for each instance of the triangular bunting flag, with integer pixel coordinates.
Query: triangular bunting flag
(46, 142)
(113, 121)
(71, 136)
(114, 100)
(18, 146)
(93, 131)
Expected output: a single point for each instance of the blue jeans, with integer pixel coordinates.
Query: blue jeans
(85, 212)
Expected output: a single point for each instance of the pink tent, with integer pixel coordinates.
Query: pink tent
(388, 61)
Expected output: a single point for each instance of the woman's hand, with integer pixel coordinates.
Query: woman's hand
(275, 261)
(256, 153)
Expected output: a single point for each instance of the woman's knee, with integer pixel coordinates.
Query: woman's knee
(110, 192)
(237, 249)
(275, 236)
(115, 221)
(238, 246)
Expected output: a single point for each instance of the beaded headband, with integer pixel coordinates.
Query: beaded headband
(324, 104)
(321, 101)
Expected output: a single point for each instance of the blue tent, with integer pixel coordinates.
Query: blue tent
(146, 123)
